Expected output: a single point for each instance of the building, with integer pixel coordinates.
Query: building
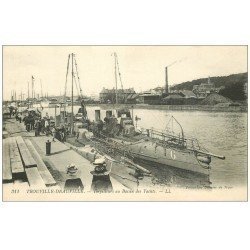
(182, 97)
(95, 98)
(189, 97)
(204, 89)
(187, 94)
(149, 98)
(132, 98)
(109, 95)
(174, 99)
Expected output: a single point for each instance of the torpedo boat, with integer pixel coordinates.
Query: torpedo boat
(166, 148)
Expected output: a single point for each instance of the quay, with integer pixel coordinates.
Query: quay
(26, 165)
(207, 108)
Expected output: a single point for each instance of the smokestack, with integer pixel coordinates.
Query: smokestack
(166, 80)
(97, 115)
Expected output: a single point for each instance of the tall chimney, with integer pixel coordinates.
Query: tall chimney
(166, 80)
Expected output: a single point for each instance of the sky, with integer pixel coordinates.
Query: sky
(141, 67)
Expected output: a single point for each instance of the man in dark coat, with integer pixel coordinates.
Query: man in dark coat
(26, 123)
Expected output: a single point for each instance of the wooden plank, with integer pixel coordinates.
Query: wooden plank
(34, 178)
(15, 158)
(7, 175)
(43, 170)
(26, 156)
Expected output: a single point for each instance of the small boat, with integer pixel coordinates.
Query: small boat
(53, 102)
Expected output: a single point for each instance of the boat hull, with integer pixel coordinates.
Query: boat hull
(182, 159)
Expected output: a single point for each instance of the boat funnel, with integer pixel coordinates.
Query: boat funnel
(97, 115)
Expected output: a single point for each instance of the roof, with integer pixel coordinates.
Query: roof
(174, 96)
(188, 94)
(132, 96)
(105, 91)
(149, 94)
(123, 91)
(126, 91)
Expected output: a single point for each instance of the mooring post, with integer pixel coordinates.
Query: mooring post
(48, 147)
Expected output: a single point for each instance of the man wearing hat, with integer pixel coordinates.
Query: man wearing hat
(73, 182)
(101, 180)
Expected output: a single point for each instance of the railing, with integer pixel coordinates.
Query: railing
(171, 139)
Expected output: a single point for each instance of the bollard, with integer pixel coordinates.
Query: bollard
(48, 147)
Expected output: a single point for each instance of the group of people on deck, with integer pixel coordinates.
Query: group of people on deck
(34, 121)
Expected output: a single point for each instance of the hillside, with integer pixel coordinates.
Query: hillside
(234, 85)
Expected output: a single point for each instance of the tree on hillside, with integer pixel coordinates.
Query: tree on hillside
(233, 85)
(234, 91)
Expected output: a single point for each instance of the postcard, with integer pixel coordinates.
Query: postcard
(124, 123)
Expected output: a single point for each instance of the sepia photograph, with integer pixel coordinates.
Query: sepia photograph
(124, 123)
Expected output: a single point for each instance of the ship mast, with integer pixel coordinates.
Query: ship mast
(41, 89)
(116, 94)
(65, 90)
(28, 95)
(32, 88)
(74, 74)
(72, 93)
(117, 71)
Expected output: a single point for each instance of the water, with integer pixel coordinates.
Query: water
(222, 133)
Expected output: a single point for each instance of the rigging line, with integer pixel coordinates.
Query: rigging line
(78, 78)
(115, 69)
(119, 73)
(157, 118)
(76, 85)
(65, 89)
(167, 127)
(161, 121)
(168, 122)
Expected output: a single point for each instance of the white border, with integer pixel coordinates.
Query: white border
(124, 225)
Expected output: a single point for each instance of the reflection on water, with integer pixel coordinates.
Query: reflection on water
(170, 176)
(220, 133)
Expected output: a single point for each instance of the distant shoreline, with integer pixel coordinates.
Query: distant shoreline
(208, 108)
(174, 107)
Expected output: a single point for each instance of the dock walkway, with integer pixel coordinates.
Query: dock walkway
(29, 155)
(61, 156)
